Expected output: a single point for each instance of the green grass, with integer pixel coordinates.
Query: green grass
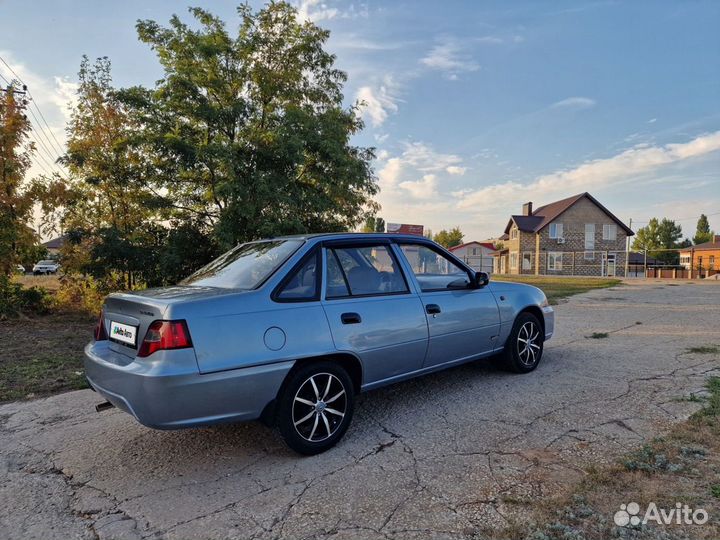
(43, 355)
(557, 288)
(598, 335)
(715, 491)
(42, 376)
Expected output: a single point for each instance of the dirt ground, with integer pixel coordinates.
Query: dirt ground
(465, 453)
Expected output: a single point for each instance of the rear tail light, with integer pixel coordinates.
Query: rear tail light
(165, 335)
(100, 333)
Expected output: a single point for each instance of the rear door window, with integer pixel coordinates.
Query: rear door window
(363, 271)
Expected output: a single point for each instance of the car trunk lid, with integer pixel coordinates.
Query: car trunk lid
(133, 312)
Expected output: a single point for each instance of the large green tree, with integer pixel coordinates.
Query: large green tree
(703, 232)
(659, 238)
(16, 197)
(247, 132)
(451, 238)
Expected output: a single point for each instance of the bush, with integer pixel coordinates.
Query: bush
(16, 299)
(80, 293)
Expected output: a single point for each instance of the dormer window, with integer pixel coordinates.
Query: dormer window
(513, 233)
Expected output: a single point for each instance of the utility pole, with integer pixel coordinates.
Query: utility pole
(627, 250)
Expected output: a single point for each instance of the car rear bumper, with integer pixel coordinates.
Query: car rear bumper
(166, 390)
(549, 316)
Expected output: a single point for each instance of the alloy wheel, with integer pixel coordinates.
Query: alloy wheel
(528, 344)
(319, 407)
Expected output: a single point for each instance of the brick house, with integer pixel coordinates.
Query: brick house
(705, 256)
(574, 236)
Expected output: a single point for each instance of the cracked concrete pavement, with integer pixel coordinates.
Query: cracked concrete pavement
(438, 456)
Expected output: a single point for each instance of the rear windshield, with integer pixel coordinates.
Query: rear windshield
(246, 266)
(46, 262)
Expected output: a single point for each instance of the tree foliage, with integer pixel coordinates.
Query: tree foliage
(657, 237)
(247, 132)
(244, 137)
(374, 225)
(451, 238)
(16, 197)
(703, 232)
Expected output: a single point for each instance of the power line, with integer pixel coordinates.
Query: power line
(681, 219)
(34, 103)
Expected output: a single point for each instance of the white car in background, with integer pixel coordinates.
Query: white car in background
(46, 267)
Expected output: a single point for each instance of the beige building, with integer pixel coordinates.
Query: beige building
(574, 236)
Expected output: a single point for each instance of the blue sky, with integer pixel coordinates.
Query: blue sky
(474, 107)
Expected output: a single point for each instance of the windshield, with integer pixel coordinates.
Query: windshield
(246, 266)
(46, 262)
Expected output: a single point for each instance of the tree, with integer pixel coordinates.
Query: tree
(658, 237)
(448, 239)
(107, 209)
(373, 224)
(16, 197)
(703, 232)
(247, 133)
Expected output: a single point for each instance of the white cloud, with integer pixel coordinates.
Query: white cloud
(598, 173)
(379, 102)
(450, 57)
(426, 188)
(575, 102)
(454, 169)
(52, 96)
(652, 121)
(315, 10)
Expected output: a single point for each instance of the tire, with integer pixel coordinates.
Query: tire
(315, 408)
(520, 357)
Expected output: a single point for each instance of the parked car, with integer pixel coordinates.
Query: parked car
(46, 267)
(290, 330)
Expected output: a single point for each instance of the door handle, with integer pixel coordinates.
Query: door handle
(432, 309)
(350, 318)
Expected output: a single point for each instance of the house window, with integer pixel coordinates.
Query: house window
(527, 260)
(589, 241)
(513, 260)
(610, 232)
(555, 260)
(711, 262)
(513, 233)
(556, 230)
(699, 262)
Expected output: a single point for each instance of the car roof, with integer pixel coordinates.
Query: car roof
(349, 235)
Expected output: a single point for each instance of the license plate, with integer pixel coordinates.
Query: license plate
(124, 333)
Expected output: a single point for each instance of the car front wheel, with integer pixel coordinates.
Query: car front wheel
(524, 347)
(316, 407)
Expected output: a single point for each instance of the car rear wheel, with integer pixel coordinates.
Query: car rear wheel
(316, 407)
(524, 347)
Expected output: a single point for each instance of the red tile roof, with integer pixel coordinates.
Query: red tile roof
(487, 245)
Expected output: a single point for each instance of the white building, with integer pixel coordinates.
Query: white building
(478, 255)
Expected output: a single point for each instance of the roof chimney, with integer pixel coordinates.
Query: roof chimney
(527, 209)
(716, 240)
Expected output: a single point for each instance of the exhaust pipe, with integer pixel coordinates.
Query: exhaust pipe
(104, 406)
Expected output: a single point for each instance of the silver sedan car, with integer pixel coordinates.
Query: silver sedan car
(289, 330)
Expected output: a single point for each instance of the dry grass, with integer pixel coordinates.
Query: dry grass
(557, 288)
(681, 467)
(43, 355)
(51, 283)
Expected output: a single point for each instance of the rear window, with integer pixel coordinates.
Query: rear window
(246, 266)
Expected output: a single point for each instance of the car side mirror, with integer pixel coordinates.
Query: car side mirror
(481, 279)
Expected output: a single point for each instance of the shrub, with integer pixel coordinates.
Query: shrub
(16, 300)
(80, 293)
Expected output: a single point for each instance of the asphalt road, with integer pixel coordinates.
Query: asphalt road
(434, 457)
